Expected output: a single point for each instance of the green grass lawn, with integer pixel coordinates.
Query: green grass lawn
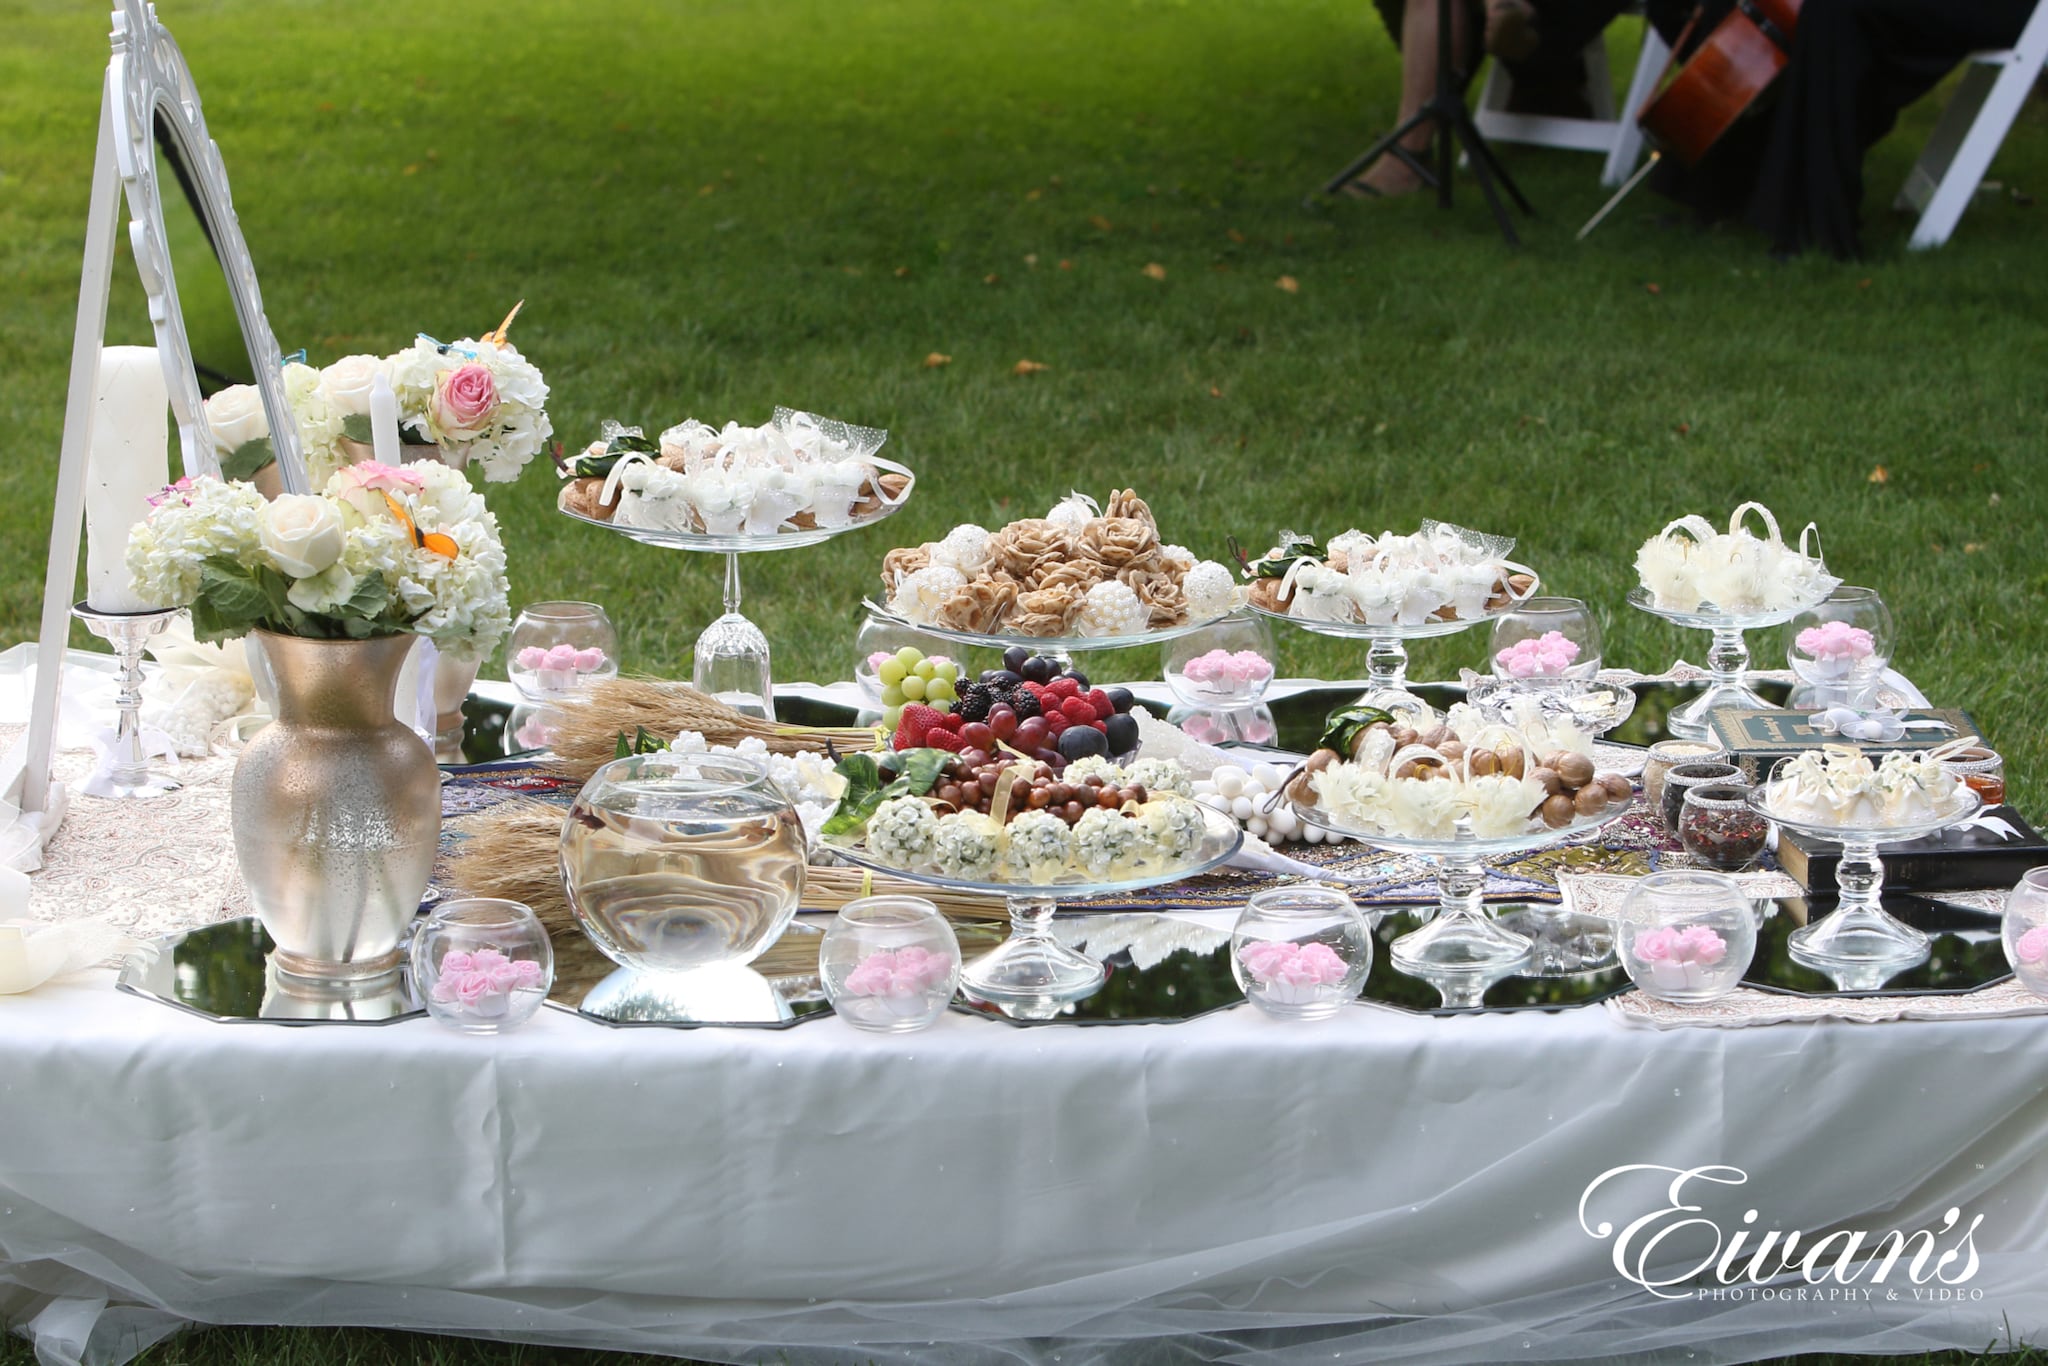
(712, 207)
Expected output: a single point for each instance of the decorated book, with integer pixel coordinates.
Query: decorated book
(1758, 739)
(1969, 858)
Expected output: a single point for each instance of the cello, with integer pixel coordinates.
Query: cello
(1716, 84)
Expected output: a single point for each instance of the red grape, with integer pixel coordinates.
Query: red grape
(978, 735)
(1028, 735)
(1002, 722)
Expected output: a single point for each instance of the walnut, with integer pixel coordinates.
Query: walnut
(1508, 589)
(1267, 593)
(1046, 611)
(980, 606)
(581, 496)
(900, 563)
(1127, 503)
(1119, 541)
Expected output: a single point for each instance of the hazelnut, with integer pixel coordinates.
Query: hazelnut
(1435, 736)
(1555, 759)
(1321, 760)
(1619, 789)
(1591, 800)
(1485, 763)
(1556, 811)
(1575, 769)
(1452, 749)
(1300, 791)
(1511, 761)
(1404, 736)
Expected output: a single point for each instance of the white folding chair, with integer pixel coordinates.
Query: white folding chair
(1615, 135)
(1977, 118)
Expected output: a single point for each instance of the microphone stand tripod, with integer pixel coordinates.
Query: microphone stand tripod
(1445, 109)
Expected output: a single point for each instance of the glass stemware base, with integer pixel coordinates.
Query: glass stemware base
(730, 660)
(128, 770)
(1031, 969)
(1386, 654)
(1727, 662)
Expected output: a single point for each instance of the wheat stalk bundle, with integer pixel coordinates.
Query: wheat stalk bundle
(588, 737)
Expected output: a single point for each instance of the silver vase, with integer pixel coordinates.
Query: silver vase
(337, 809)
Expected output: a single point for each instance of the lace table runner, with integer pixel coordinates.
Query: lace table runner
(1746, 1006)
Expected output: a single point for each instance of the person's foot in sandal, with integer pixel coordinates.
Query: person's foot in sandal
(1390, 176)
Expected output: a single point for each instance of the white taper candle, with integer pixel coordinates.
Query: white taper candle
(384, 421)
(128, 465)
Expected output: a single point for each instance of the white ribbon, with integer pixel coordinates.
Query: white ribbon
(31, 953)
(1882, 725)
(155, 745)
(1993, 825)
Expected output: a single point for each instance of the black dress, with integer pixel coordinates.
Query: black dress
(1795, 168)
(1552, 79)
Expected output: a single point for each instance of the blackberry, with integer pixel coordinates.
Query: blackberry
(975, 701)
(1024, 704)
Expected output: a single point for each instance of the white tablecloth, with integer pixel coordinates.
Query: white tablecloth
(1011, 1195)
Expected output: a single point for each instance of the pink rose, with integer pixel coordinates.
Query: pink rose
(588, 661)
(1656, 946)
(560, 657)
(473, 988)
(455, 962)
(525, 973)
(374, 477)
(464, 402)
(1836, 640)
(1699, 944)
(1265, 958)
(485, 960)
(2032, 946)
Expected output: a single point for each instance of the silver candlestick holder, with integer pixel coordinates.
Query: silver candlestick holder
(128, 632)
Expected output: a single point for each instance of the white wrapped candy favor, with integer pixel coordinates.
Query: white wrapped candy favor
(1691, 567)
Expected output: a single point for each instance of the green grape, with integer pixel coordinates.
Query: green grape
(890, 671)
(925, 669)
(939, 690)
(950, 672)
(893, 717)
(913, 688)
(892, 696)
(908, 657)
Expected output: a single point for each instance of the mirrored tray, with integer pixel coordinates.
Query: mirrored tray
(1041, 644)
(222, 972)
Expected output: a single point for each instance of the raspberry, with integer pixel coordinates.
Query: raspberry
(1099, 699)
(917, 719)
(1025, 704)
(944, 739)
(1078, 710)
(1101, 727)
(1063, 688)
(1055, 722)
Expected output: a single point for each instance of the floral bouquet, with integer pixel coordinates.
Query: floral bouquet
(471, 400)
(380, 551)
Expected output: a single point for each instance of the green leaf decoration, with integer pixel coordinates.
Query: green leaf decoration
(356, 427)
(368, 600)
(1344, 725)
(866, 790)
(247, 459)
(233, 591)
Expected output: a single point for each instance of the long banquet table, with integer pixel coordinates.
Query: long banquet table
(1383, 1186)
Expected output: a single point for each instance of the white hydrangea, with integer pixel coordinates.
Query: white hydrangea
(1159, 776)
(318, 423)
(901, 831)
(1110, 609)
(1039, 844)
(968, 844)
(1103, 839)
(1093, 764)
(197, 518)
(1211, 590)
(918, 597)
(808, 780)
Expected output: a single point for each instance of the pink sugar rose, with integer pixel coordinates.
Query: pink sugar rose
(588, 661)
(532, 657)
(465, 400)
(472, 987)
(904, 972)
(456, 962)
(1541, 656)
(1836, 640)
(1701, 945)
(2032, 946)
(372, 476)
(560, 657)
(1656, 946)
(1314, 964)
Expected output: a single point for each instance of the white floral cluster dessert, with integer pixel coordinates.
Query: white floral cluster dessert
(1377, 775)
(1691, 567)
(1838, 785)
(1039, 846)
(808, 780)
(800, 472)
(1439, 573)
(1077, 571)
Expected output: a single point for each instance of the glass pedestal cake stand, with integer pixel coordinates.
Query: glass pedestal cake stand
(1860, 944)
(1042, 645)
(1386, 654)
(1727, 661)
(730, 660)
(1462, 950)
(1031, 975)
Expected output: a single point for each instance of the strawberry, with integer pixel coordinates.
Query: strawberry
(917, 719)
(951, 721)
(939, 738)
(904, 740)
(1099, 699)
(1078, 710)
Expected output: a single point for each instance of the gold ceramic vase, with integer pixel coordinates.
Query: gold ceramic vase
(337, 809)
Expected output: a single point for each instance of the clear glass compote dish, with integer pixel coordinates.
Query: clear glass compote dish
(1462, 945)
(1386, 655)
(1588, 704)
(1524, 637)
(1031, 975)
(1727, 660)
(1840, 648)
(1860, 942)
(1040, 645)
(731, 657)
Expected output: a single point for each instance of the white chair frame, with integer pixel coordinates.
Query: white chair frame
(1613, 134)
(1970, 131)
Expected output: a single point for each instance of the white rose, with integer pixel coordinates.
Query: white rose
(347, 383)
(235, 417)
(325, 591)
(301, 534)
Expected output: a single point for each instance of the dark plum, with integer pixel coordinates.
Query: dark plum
(1121, 734)
(1078, 742)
